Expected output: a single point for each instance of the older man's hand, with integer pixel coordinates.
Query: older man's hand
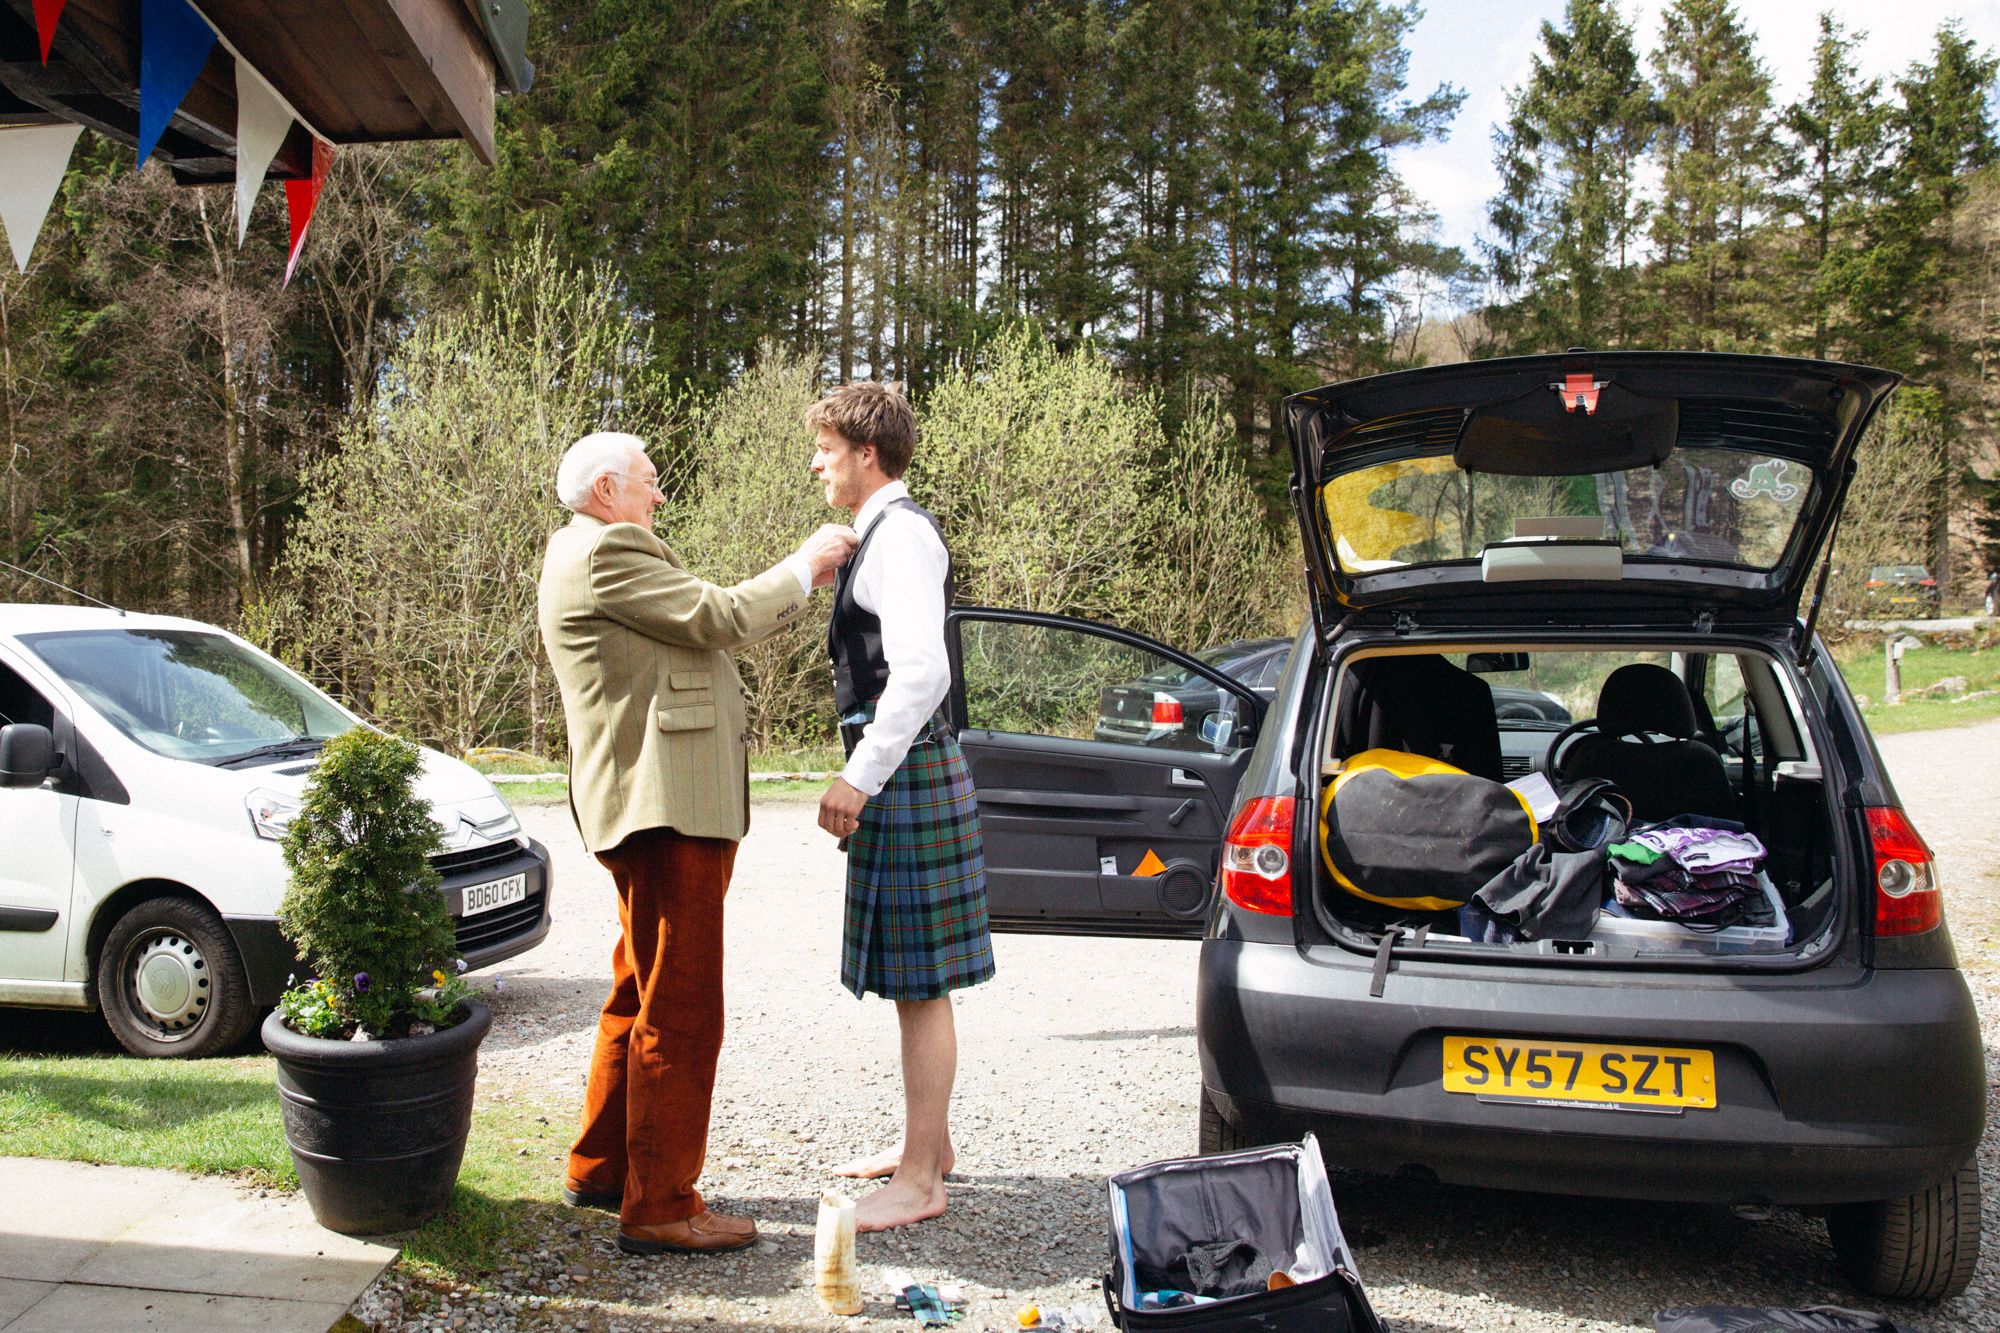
(827, 550)
(840, 808)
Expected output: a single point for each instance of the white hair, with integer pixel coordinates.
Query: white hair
(591, 457)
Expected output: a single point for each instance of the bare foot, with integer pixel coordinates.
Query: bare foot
(884, 1164)
(898, 1205)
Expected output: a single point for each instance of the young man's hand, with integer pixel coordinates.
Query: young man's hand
(840, 808)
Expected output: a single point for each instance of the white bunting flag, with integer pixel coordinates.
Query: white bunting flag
(32, 161)
(262, 121)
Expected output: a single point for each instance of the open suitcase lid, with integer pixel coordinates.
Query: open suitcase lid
(1280, 1192)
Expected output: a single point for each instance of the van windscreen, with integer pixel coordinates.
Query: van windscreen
(190, 695)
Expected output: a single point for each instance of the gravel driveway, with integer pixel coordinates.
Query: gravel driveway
(1077, 1060)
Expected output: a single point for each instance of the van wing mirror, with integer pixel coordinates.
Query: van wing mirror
(27, 755)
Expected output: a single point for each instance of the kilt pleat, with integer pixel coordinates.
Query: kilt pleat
(915, 924)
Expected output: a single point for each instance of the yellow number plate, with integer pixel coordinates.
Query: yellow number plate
(1648, 1078)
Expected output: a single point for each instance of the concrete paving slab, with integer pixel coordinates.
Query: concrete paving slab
(99, 1248)
(74, 1308)
(219, 1239)
(17, 1297)
(67, 1211)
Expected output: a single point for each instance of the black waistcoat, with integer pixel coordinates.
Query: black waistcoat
(854, 635)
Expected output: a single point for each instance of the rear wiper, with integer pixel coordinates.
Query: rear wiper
(296, 745)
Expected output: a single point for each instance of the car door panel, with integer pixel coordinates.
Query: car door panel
(1091, 836)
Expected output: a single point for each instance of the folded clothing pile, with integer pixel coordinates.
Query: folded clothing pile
(1702, 872)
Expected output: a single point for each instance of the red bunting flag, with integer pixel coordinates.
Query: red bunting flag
(46, 14)
(301, 197)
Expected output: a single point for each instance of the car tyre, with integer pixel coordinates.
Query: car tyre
(1921, 1247)
(1215, 1134)
(171, 983)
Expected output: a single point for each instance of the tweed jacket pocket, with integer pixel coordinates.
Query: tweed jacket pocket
(688, 717)
(690, 680)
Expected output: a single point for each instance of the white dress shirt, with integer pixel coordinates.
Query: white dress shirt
(901, 580)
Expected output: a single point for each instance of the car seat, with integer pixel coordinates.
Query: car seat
(1643, 740)
(1422, 704)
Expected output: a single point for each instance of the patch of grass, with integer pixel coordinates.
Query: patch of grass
(491, 760)
(1861, 661)
(221, 1116)
(207, 1116)
(806, 759)
(508, 1189)
(535, 793)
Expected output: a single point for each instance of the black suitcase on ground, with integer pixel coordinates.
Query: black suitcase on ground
(1278, 1199)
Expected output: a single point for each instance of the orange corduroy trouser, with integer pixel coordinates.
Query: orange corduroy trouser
(652, 1073)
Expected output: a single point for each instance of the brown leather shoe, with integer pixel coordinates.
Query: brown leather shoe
(578, 1195)
(703, 1233)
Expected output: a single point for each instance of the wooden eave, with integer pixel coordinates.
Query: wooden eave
(358, 71)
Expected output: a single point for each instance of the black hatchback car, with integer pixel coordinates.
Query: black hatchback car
(1633, 534)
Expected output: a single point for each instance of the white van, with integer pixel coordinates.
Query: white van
(148, 766)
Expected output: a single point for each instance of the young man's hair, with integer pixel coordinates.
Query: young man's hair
(865, 412)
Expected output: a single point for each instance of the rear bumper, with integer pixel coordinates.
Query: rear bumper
(1831, 1091)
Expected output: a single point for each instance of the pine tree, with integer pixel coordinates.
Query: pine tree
(1566, 221)
(1897, 283)
(1828, 163)
(1161, 70)
(1715, 165)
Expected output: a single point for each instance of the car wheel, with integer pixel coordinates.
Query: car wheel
(1921, 1247)
(171, 983)
(1216, 1134)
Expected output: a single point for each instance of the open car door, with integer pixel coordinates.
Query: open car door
(1106, 766)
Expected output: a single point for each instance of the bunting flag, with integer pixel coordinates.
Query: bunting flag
(301, 197)
(32, 161)
(262, 122)
(46, 14)
(174, 42)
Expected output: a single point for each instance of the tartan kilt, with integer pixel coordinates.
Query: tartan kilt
(915, 925)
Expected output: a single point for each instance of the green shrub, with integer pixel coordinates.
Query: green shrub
(363, 907)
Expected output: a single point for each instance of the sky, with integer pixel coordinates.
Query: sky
(1484, 47)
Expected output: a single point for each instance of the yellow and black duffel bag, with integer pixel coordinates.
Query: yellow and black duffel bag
(1413, 832)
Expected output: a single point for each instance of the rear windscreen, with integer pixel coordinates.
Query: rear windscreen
(1707, 506)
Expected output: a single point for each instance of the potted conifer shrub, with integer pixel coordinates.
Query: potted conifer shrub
(377, 1050)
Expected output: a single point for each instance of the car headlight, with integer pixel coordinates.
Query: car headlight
(271, 812)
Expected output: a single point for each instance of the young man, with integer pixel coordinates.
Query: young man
(915, 927)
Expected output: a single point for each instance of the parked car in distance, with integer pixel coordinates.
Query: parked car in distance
(148, 767)
(1641, 527)
(1903, 588)
(1170, 706)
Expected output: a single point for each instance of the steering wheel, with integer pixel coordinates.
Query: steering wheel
(1546, 765)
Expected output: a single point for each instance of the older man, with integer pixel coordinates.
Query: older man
(659, 788)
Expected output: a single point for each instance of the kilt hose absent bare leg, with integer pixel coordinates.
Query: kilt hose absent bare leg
(652, 1073)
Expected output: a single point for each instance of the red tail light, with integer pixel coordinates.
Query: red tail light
(1166, 709)
(1257, 856)
(1907, 901)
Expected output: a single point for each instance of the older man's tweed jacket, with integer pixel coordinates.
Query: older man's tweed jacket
(655, 707)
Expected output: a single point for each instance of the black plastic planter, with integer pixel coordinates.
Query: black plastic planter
(377, 1128)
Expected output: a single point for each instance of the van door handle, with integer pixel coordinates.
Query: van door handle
(1181, 777)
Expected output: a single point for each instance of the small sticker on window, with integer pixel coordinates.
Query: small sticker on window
(1107, 865)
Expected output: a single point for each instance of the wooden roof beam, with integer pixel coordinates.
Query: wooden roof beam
(441, 60)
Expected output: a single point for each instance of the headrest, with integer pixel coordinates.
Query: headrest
(1643, 697)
